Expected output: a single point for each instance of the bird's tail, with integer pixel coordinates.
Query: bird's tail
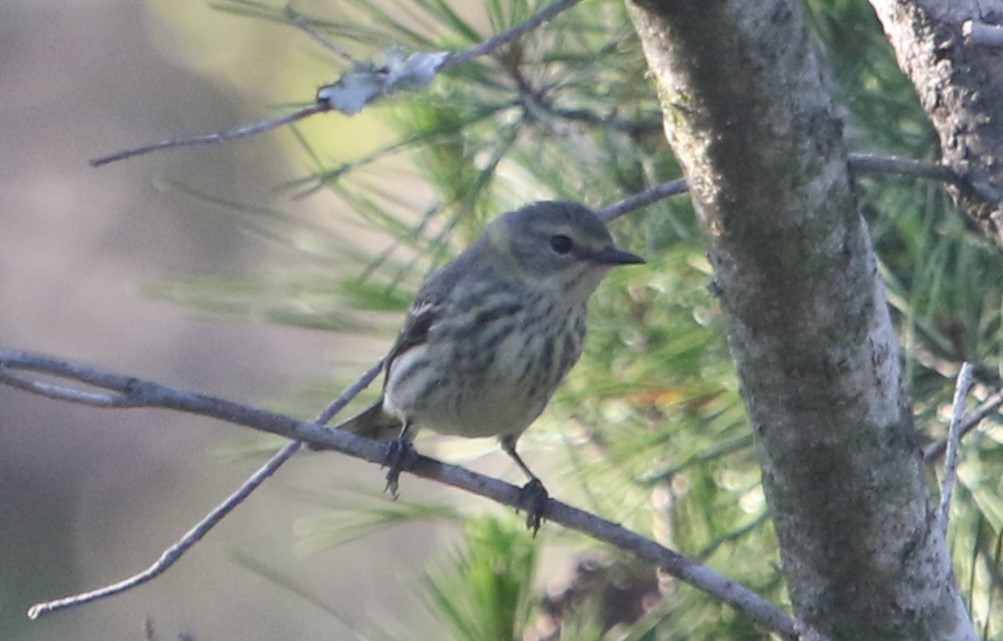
(373, 422)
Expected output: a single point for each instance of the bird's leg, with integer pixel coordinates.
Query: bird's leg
(534, 496)
(400, 456)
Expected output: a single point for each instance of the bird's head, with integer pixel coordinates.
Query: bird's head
(555, 245)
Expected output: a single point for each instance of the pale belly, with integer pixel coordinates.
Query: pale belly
(484, 393)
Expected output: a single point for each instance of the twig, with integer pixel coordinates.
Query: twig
(644, 198)
(961, 389)
(134, 392)
(864, 164)
(209, 139)
(125, 397)
(350, 392)
(868, 164)
(363, 84)
(972, 419)
(512, 33)
(300, 22)
(173, 553)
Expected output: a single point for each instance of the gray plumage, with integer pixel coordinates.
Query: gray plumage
(490, 336)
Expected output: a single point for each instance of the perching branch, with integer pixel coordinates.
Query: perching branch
(118, 391)
(363, 84)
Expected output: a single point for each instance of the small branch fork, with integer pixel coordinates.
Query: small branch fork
(970, 421)
(124, 392)
(108, 390)
(363, 84)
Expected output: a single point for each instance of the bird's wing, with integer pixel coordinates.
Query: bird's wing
(428, 307)
(419, 319)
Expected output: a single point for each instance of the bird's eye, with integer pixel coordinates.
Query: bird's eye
(561, 244)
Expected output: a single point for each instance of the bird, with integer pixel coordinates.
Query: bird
(489, 337)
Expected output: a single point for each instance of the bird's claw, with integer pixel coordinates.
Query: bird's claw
(400, 456)
(533, 498)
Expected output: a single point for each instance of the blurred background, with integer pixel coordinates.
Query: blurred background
(87, 496)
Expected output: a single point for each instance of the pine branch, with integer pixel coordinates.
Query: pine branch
(363, 84)
(115, 391)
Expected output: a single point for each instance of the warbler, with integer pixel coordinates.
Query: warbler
(489, 337)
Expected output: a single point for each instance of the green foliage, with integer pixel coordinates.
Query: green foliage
(355, 515)
(484, 589)
(651, 420)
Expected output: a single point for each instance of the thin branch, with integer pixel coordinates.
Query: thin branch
(350, 392)
(643, 199)
(301, 23)
(512, 33)
(864, 164)
(173, 553)
(877, 165)
(869, 164)
(134, 392)
(209, 139)
(961, 390)
(363, 84)
(120, 399)
(972, 419)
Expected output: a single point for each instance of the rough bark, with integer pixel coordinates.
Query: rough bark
(748, 116)
(960, 86)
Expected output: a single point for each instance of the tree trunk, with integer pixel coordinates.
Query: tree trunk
(960, 87)
(750, 120)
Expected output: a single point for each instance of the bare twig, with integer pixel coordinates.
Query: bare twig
(123, 396)
(644, 198)
(300, 21)
(972, 419)
(133, 392)
(512, 33)
(350, 392)
(213, 138)
(961, 389)
(870, 164)
(864, 164)
(173, 553)
(363, 84)
(890, 165)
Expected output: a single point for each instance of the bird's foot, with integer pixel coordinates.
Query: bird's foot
(533, 498)
(400, 456)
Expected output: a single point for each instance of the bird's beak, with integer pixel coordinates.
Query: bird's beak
(611, 255)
